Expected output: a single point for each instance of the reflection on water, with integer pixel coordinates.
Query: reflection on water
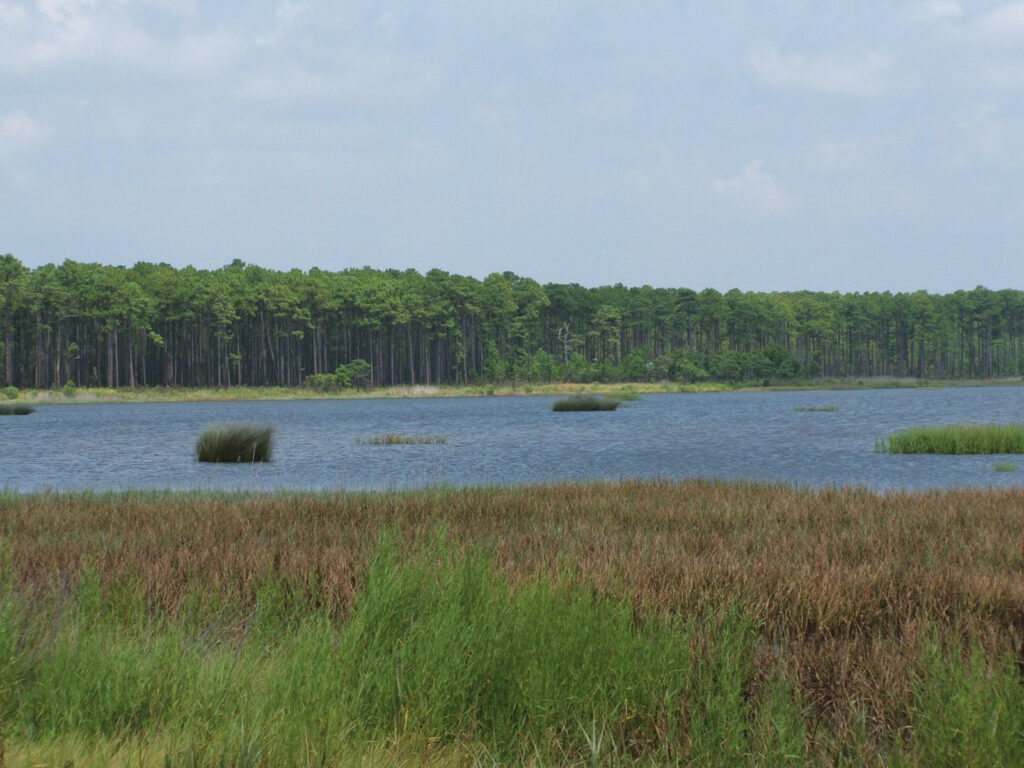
(773, 436)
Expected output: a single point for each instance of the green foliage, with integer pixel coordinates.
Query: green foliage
(69, 390)
(1004, 467)
(353, 374)
(234, 443)
(11, 393)
(970, 711)
(956, 439)
(243, 325)
(585, 403)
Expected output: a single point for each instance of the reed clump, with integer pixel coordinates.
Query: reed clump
(18, 409)
(957, 439)
(816, 408)
(586, 403)
(398, 439)
(235, 443)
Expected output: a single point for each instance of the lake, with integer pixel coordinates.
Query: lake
(510, 441)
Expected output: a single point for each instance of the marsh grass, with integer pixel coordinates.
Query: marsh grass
(956, 439)
(1004, 467)
(18, 409)
(635, 623)
(397, 439)
(816, 408)
(586, 403)
(234, 443)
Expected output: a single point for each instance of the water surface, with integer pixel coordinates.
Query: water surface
(509, 441)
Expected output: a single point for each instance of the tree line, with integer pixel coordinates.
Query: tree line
(244, 325)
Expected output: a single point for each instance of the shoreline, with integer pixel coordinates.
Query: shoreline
(235, 394)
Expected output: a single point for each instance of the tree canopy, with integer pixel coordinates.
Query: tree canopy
(154, 324)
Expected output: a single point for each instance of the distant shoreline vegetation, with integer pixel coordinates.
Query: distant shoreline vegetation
(149, 325)
(621, 391)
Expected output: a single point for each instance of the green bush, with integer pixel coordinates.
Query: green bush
(11, 393)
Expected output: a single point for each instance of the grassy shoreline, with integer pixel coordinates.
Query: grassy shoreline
(694, 622)
(229, 394)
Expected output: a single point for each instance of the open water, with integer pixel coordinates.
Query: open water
(510, 441)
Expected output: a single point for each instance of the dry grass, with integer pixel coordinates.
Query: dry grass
(845, 583)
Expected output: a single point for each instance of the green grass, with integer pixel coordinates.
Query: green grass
(442, 653)
(585, 403)
(233, 443)
(957, 439)
(16, 410)
(396, 439)
(1004, 467)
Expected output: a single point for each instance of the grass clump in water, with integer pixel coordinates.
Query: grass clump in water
(586, 403)
(16, 410)
(1005, 467)
(234, 443)
(816, 408)
(395, 439)
(957, 439)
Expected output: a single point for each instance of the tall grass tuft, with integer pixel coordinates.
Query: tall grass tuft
(16, 410)
(586, 403)
(956, 439)
(234, 443)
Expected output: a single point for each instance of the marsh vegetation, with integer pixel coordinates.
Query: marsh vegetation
(235, 443)
(586, 403)
(630, 623)
(957, 439)
(17, 409)
(392, 438)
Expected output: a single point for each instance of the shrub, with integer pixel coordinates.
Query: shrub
(11, 393)
(235, 443)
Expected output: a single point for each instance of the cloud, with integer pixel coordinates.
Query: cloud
(862, 74)
(19, 127)
(755, 189)
(1003, 24)
(605, 106)
(58, 34)
(20, 133)
(286, 16)
(935, 11)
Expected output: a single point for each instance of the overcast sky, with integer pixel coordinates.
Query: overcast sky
(785, 145)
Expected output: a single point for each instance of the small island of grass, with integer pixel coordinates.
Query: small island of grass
(957, 439)
(19, 409)
(395, 439)
(586, 403)
(235, 443)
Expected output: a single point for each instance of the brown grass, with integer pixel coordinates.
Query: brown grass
(846, 583)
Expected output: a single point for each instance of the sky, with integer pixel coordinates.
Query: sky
(818, 145)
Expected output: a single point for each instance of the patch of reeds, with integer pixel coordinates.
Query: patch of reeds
(586, 403)
(235, 443)
(1004, 467)
(816, 408)
(18, 409)
(957, 439)
(397, 439)
(836, 626)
